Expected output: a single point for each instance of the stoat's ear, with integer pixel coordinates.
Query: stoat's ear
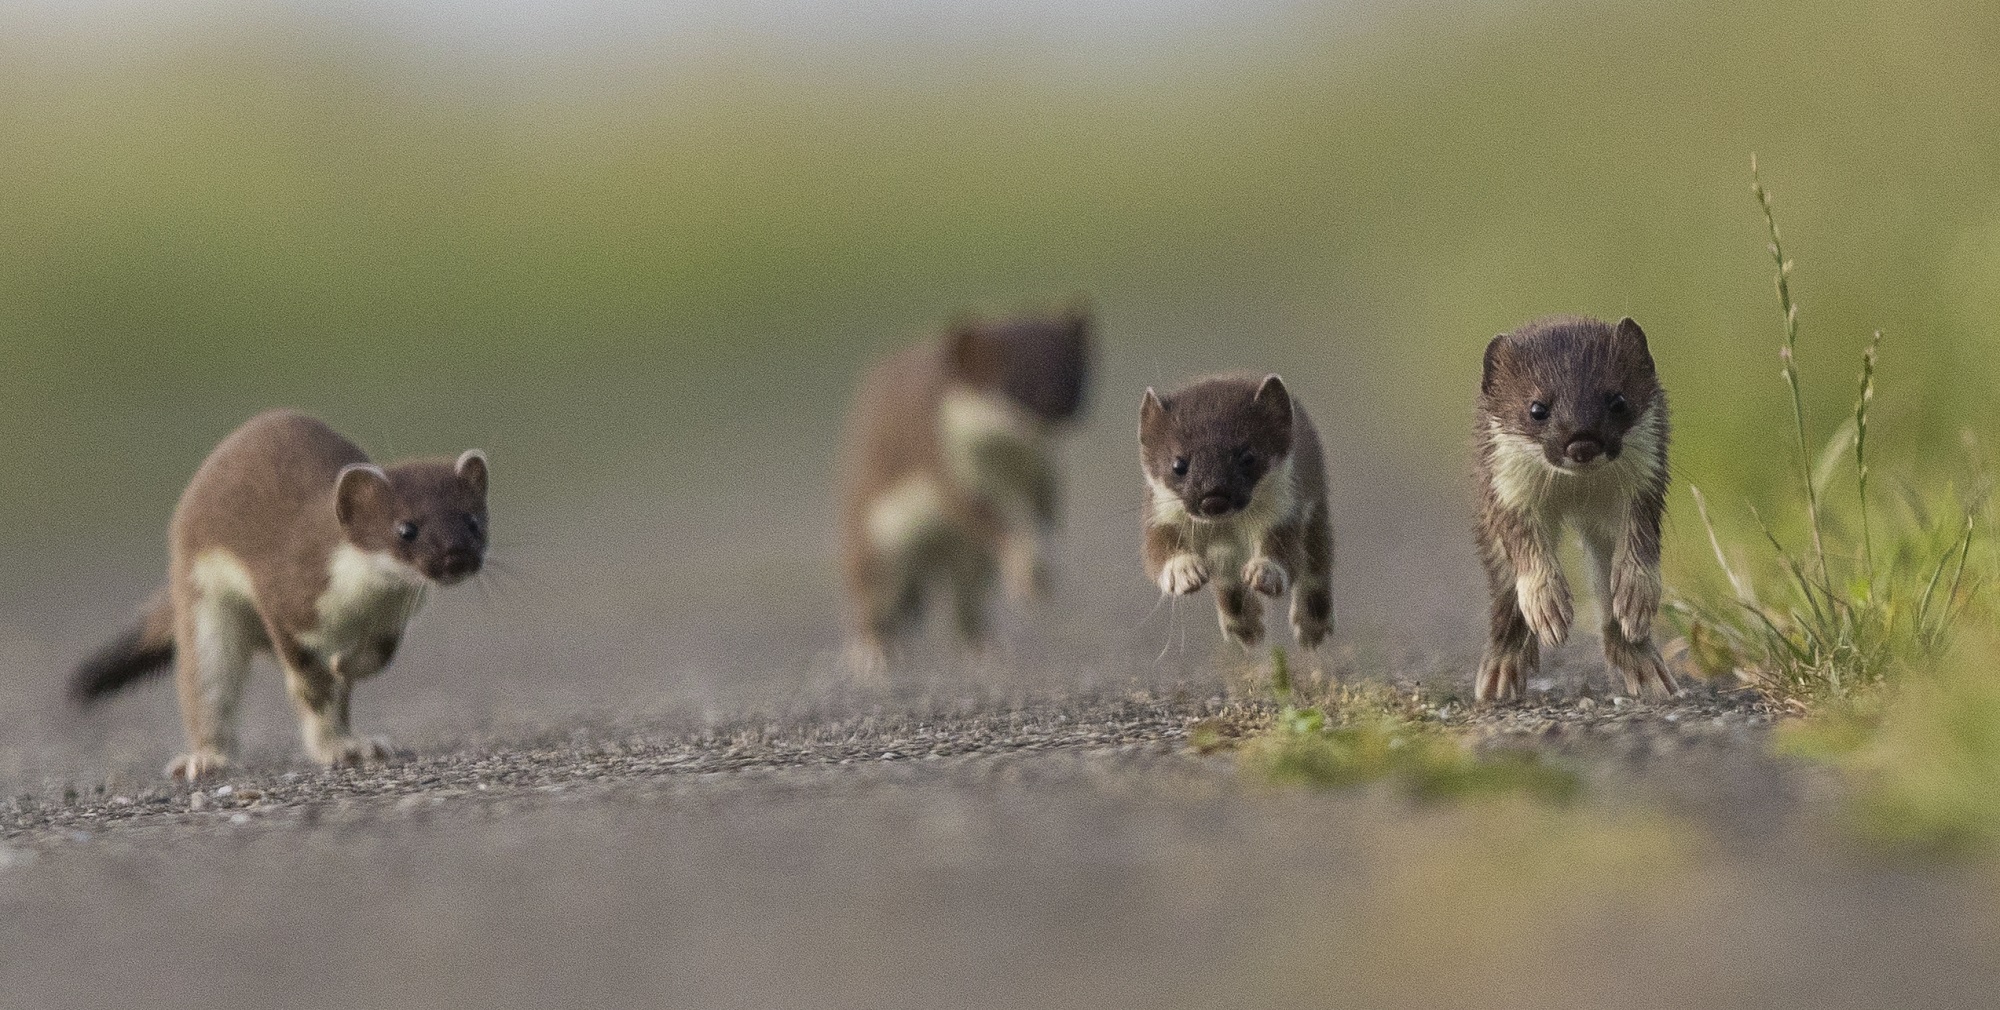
(965, 356)
(1275, 398)
(1628, 332)
(362, 496)
(1152, 413)
(471, 469)
(1076, 312)
(1492, 365)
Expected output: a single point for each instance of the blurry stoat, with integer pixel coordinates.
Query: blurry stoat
(950, 475)
(289, 541)
(1572, 432)
(1237, 497)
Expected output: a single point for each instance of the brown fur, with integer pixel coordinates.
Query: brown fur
(273, 506)
(949, 475)
(1248, 511)
(1604, 424)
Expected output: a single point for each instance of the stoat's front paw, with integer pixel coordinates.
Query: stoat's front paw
(1545, 603)
(1182, 574)
(197, 765)
(1265, 576)
(1635, 599)
(355, 751)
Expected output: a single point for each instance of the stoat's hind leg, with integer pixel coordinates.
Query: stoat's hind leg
(1240, 612)
(1639, 662)
(888, 603)
(1024, 567)
(1312, 612)
(1512, 650)
(971, 576)
(1312, 594)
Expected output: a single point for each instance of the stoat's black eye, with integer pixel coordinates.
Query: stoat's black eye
(1180, 466)
(406, 531)
(475, 523)
(1538, 410)
(1247, 458)
(1616, 403)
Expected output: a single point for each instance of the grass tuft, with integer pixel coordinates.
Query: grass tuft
(1835, 619)
(1359, 736)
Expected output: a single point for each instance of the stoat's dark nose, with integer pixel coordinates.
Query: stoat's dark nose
(1583, 450)
(459, 563)
(1214, 505)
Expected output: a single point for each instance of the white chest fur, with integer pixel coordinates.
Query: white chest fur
(906, 513)
(1225, 545)
(1589, 501)
(369, 597)
(993, 448)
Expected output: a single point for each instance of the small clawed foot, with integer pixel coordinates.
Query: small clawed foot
(1182, 575)
(1646, 675)
(1265, 576)
(1027, 576)
(866, 658)
(1502, 677)
(1246, 633)
(1312, 615)
(355, 751)
(197, 765)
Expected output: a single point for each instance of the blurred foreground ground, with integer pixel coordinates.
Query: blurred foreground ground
(1076, 857)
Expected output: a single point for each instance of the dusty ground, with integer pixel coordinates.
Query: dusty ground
(1074, 855)
(637, 778)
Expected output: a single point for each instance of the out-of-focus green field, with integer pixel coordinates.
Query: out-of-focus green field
(574, 264)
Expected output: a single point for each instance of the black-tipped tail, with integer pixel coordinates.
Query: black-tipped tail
(142, 650)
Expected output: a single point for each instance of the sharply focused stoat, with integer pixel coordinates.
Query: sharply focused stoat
(1572, 432)
(1237, 498)
(949, 473)
(289, 541)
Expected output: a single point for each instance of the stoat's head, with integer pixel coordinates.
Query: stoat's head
(1571, 387)
(429, 514)
(1211, 443)
(1042, 364)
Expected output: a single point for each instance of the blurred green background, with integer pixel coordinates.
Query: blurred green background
(591, 252)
